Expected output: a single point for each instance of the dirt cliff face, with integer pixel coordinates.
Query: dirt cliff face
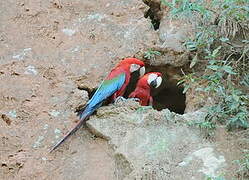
(150, 144)
(52, 54)
(48, 50)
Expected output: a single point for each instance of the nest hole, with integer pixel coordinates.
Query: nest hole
(154, 13)
(168, 95)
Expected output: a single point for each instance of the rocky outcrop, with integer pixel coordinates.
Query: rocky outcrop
(150, 144)
(172, 35)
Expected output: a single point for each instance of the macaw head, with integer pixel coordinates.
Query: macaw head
(133, 65)
(154, 79)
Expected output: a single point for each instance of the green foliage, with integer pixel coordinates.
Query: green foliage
(245, 81)
(221, 44)
(235, 9)
(232, 9)
(222, 66)
(232, 104)
(187, 80)
(231, 109)
(207, 127)
(151, 54)
(181, 8)
(202, 40)
(243, 166)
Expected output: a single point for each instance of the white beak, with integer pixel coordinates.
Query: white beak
(142, 71)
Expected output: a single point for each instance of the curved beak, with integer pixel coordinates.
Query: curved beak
(142, 71)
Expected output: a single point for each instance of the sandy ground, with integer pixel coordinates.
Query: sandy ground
(48, 49)
(40, 63)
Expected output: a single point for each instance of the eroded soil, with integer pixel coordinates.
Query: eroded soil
(49, 49)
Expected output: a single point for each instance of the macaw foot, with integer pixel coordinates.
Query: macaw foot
(134, 99)
(119, 99)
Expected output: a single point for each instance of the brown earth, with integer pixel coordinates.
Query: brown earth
(49, 49)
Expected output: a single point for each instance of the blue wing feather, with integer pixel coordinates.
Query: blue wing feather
(105, 90)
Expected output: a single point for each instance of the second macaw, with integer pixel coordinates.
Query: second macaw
(143, 88)
(112, 87)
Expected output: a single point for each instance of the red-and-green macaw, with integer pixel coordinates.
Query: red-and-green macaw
(143, 88)
(112, 87)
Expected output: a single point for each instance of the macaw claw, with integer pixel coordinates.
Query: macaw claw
(119, 99)
(134, 99)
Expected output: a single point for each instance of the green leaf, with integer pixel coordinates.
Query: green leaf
(224, 39)
(215, 52)
(212, 62)
(235, 97)
(180, 82)
(186, 88)
(194, 61)
(245, 41)
(157, 53)
(213, 67)
(228, 69)
(245, 80)
(191, 46)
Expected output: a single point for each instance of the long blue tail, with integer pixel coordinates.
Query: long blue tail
(83, 114)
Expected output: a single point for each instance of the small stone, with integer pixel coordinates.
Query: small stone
(22, 54)
(12, 113)
(57, 131)
(69, 32)
(38, 142)
(31, 70)
(96, 16)
(54, 113)
(27, 49)
(45, 126)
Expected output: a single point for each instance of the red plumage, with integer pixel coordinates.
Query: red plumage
(112, 87)
(143, 90)
(123, 67)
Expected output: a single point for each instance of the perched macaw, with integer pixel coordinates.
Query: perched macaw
(143, 88)
(112, 87)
